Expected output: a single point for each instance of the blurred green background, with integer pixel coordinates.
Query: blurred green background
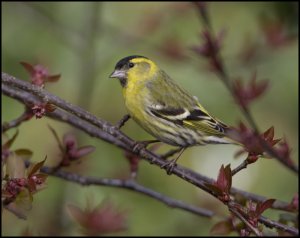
(83, 42)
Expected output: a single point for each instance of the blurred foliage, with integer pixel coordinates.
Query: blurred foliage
(83, 41)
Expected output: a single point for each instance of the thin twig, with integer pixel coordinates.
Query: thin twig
(129, 184)
(122, 122)
(243, 165)
(274, 224)
(16, 122)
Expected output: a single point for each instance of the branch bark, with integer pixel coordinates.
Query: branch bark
(128, 184)
(96, 127)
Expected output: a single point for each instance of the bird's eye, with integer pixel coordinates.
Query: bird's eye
(131, 65)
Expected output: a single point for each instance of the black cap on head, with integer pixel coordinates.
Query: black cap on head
(125, 60)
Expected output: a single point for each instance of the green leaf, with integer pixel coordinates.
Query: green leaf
(24, 153)
(36, 167)
(16, 211)
(8, 143)
(221, 228)
(84, 150)
(15, 166)
(24, 200)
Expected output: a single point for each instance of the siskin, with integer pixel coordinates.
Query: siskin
(164, 109)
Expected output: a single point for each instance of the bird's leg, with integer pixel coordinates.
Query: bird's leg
(170, 153)
(122, 121)
(142, 144)
(170, 164)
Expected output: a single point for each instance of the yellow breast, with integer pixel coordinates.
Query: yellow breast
(133, 96)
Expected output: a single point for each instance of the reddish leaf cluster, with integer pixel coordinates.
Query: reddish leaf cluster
(252, 213)
(210, 49)
(34, 178)
(39, 110)
(22, 189)
(39, 74)
(13, 187)
(256, 210)
(284, 151)
(294, 204)
(223, 184)
(251, 142)
(244, 94)
(69, 148)
(276, 32)
(72, 151)
(17, 187)
(103, 219)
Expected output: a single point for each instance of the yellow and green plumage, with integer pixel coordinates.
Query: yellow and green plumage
(163, 108)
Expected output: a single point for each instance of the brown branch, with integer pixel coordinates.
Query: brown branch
(184, 173)
(244, 220)
(237, 209)
(96, 127)
(273, 224)
(243, 165)
(223, 75)
(16, 122)
(122, 122)
(128, 184)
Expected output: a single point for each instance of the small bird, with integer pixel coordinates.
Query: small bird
(164, 109)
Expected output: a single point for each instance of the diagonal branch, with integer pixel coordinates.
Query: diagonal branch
(128, 184)
(111, 135)
(96, 127)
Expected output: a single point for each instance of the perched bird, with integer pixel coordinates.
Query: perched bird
(164, 109)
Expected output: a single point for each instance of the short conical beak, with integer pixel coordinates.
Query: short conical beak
(118, 74)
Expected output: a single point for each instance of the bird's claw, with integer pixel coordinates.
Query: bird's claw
(142, 144)
(169, 165)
